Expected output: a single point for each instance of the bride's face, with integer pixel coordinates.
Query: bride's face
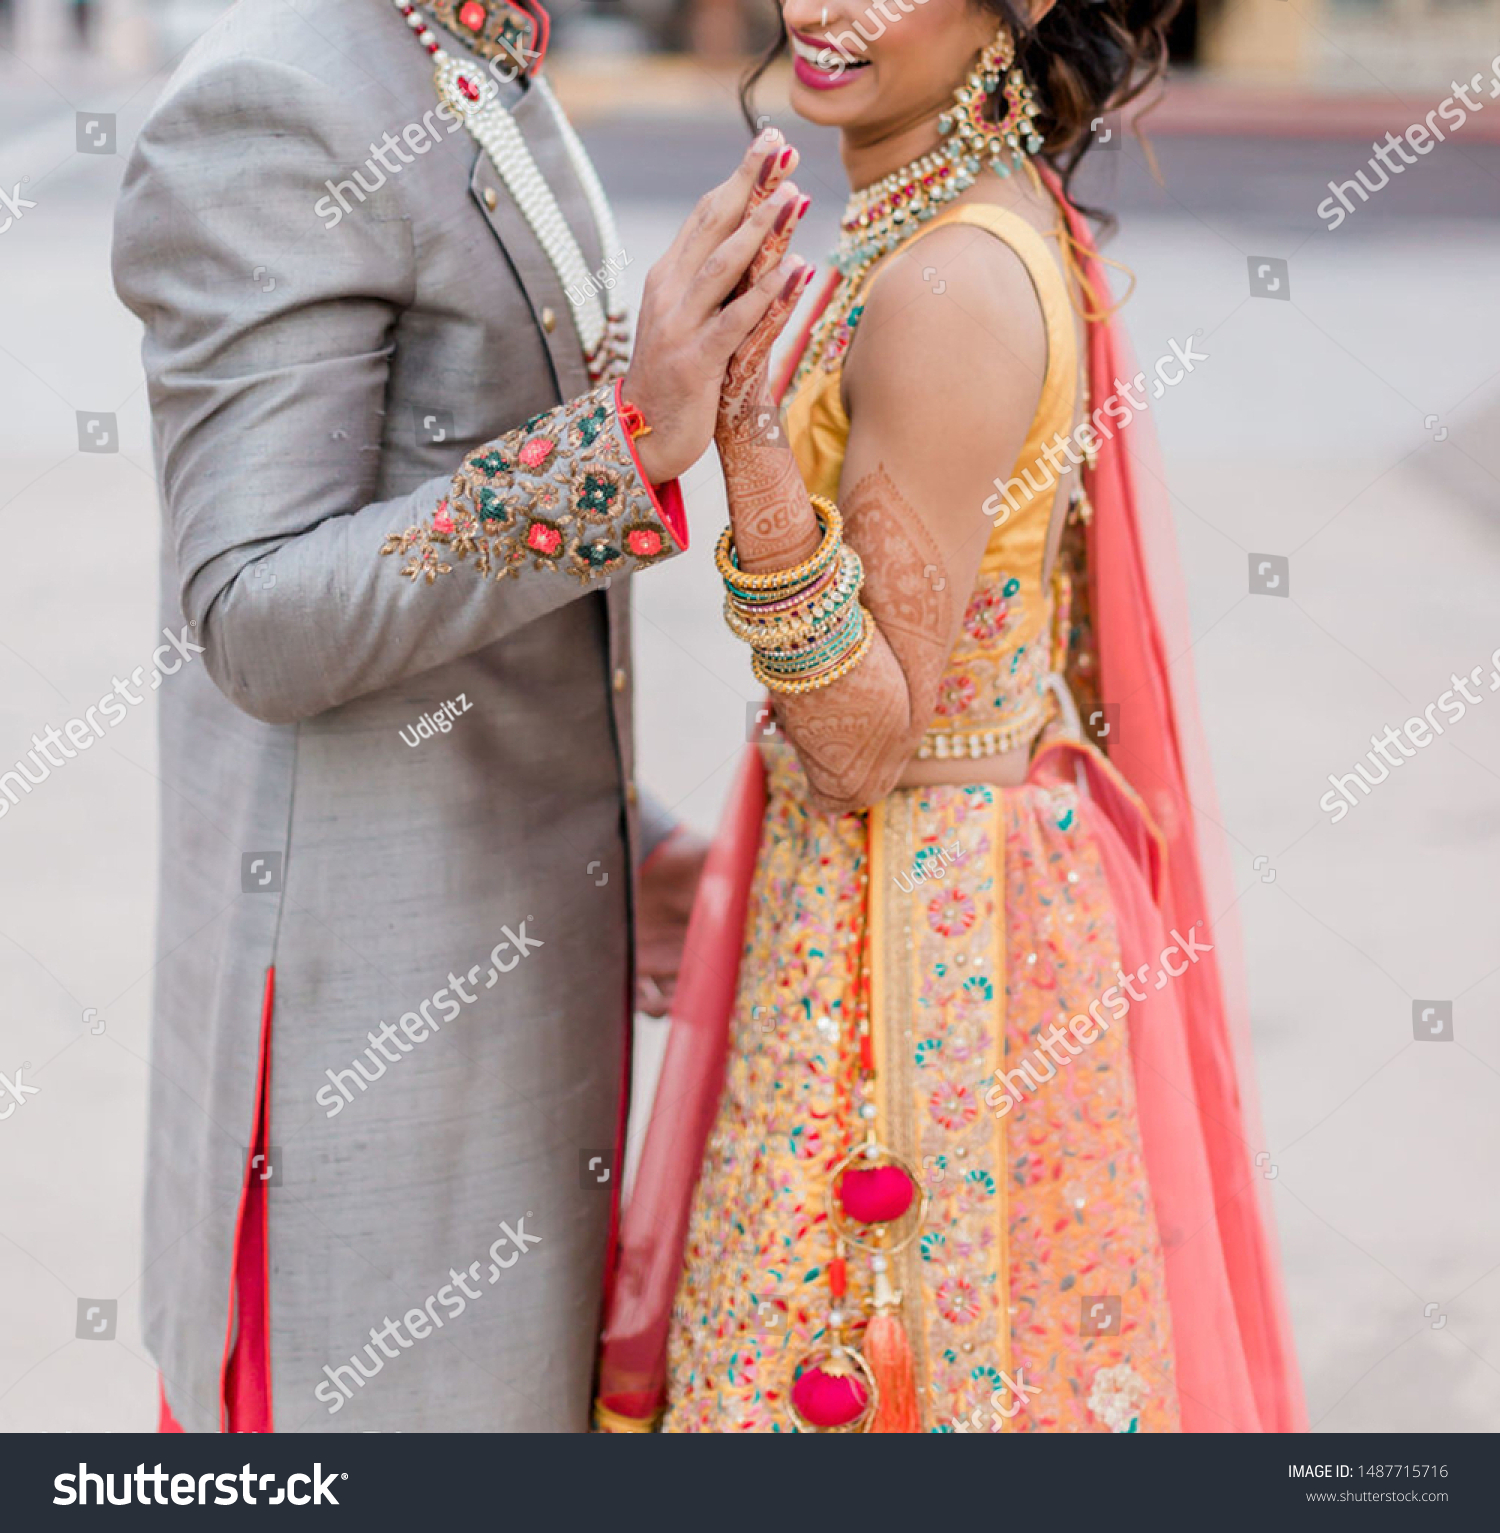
(864, 66)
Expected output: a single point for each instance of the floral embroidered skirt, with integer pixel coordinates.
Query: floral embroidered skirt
(1034, 1296)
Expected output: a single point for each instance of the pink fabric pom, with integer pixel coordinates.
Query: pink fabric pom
(829, 1399)
(877, 1195)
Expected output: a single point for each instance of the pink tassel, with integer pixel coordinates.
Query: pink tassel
(888, 1352)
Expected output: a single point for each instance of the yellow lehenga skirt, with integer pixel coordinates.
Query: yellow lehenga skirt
(1034, 1295)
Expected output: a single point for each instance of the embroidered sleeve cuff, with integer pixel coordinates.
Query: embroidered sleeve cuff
(563, 492)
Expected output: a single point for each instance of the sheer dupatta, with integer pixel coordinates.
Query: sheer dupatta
(1198, 1118)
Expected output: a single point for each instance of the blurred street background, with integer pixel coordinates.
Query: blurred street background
(1346, 421)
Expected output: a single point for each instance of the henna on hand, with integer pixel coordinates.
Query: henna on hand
(855, 737)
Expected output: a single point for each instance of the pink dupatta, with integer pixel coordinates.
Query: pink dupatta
(1190, 1043)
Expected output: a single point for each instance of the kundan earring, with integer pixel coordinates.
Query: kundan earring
(1004, 143)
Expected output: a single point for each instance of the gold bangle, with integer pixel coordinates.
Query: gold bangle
(606, 1420)
(835, 672)
(726, 557)
(807, 621)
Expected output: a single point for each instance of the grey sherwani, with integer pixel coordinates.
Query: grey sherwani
(397, 772)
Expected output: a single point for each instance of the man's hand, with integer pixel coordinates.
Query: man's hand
(668, 885)
(687, 331)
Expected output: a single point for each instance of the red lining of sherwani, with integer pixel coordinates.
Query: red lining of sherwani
(666, 498)
(543, 32)
(245, 1373)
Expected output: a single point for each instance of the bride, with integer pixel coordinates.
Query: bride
(951, 1133)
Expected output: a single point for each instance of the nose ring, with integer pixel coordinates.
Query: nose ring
(824, 21)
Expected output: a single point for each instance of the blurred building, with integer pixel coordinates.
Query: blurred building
(1346, 44)
(1356, 44)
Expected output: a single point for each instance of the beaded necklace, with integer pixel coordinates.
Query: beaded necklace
(470, 93)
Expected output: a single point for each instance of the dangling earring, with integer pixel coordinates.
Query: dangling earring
(980, 142)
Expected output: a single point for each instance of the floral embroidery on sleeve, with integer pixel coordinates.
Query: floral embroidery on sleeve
(562, 492)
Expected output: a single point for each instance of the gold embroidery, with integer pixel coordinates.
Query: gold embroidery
(561, 492)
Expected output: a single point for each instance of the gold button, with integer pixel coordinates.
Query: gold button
(549, 321)
(632, 794)
(491, 201)
(620, 680)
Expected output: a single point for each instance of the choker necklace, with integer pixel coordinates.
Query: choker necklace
(473, 96)
(880, 218)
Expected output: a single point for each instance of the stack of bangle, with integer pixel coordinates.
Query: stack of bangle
(806, 625)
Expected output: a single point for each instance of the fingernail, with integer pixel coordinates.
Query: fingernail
(803, 206)
(786, 156)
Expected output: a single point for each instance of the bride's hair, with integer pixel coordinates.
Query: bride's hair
(1083, 58)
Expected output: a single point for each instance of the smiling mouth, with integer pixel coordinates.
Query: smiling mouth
(822, 55)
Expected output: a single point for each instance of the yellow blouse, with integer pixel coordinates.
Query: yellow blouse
(995, 693)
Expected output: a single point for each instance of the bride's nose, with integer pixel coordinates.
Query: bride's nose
(810, 16)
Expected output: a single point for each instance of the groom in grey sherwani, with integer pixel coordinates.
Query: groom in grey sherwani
(404, 488)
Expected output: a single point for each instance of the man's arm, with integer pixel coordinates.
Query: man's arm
(268, 405)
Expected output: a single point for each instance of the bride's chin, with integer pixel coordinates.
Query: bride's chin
(846, 107)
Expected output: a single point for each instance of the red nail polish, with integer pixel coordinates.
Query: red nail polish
(803, 206)
(786, 157)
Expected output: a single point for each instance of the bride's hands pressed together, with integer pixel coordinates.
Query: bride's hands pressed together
(700, 303)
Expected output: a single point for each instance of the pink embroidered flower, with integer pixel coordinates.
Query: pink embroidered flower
(952, 1105)
(441, 521)
(987, 613)
(951, 913)
(542, 538)
(955, 693)
(643, 543)
(958, 1301)
(536, 452)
